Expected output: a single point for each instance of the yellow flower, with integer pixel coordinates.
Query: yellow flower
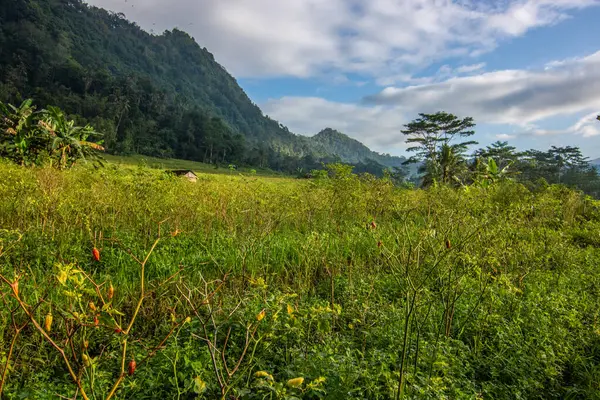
(200, 385)
(290, 309)
(263, 374)
(296, 382)
(261, 315)
(48, 322)
(86, 360)
(62, 276)
(319, 380)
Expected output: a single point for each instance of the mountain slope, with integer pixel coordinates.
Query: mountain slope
(330, 141)
(65, 52)
(157, 95)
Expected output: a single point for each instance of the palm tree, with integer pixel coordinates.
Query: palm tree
(69, 143)
(446, 168)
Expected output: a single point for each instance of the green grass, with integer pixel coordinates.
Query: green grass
(173, 163)
(450, 294)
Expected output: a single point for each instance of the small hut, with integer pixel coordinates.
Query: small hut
(190, 175)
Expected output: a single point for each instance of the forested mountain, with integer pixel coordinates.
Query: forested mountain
(156, 95)
(351, 150)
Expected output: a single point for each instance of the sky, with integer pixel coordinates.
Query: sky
(527, 71)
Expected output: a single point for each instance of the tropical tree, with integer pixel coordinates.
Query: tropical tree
(433, 139)
(20, 138)
(69, 143)
(567, 158)
(488, 172)
(501, 152)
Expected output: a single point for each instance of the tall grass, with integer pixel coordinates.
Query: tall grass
(383, 292)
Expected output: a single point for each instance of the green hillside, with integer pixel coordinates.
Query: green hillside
(351, 150)
(158, 95)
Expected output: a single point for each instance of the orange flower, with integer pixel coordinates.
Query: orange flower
(48, 322)
(132, 366)
(96, 254)
(111, 292)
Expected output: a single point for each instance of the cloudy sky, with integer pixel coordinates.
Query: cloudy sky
(528, 71)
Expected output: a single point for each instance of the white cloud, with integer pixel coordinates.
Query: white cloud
(385, 39)
(506, 97)
(519, 100)
(504, 136)
(586, 127)
(465, 69)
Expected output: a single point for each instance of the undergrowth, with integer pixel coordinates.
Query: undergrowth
(332, 288)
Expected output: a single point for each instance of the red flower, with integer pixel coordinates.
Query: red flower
(132, 366)
(96, 254)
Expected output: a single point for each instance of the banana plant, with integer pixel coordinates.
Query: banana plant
(20, 140)
(492, 173)
(69, 143)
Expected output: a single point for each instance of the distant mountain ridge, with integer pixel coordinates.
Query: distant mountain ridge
(331, 141)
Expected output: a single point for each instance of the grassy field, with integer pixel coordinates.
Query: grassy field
(172, 163)
(241, 287)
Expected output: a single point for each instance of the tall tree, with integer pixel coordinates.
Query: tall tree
(501, 152)
(433, 139)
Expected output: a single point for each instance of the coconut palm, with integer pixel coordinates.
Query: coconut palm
(69, 143)
(447, 167)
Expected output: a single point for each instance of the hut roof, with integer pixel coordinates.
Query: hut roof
(183, 171)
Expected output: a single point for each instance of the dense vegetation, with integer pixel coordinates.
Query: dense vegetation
(438, 141)
(133, 283)
(158, 95)
(362, 289)
(30, 137)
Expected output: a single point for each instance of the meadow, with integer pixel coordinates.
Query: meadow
(129, 283)
(136, 160)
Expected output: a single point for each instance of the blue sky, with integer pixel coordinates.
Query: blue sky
(528, 71)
